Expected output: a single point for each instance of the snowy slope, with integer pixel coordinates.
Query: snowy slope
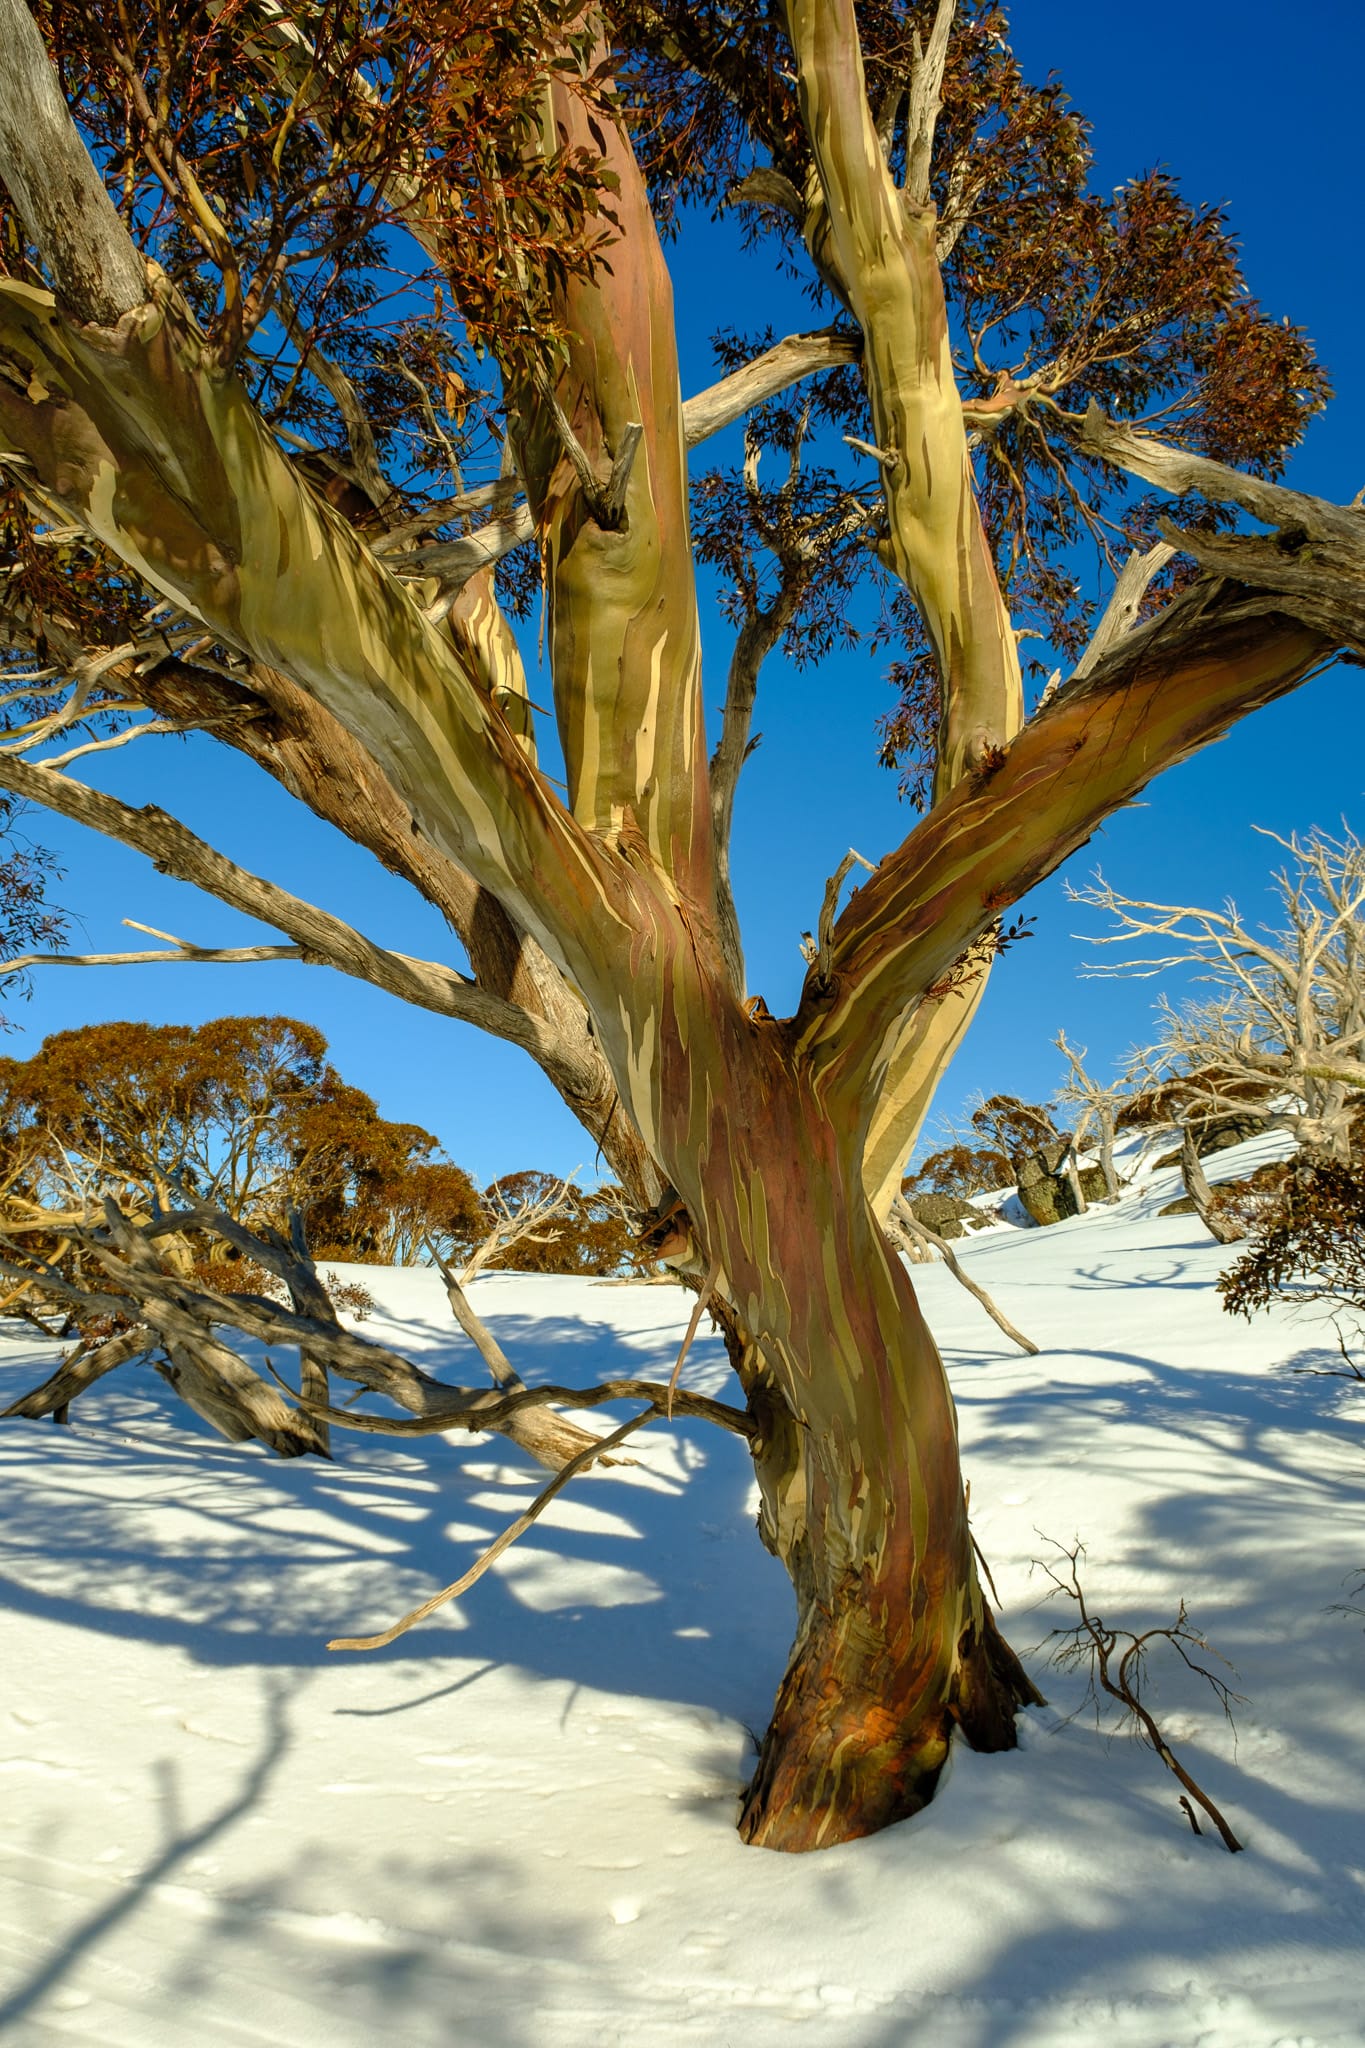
(514, 1829)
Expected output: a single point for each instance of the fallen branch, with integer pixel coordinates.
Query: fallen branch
(79, 1370)
(492, 1411)
(504, 1542)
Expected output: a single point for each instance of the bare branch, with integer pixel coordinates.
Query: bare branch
(80, 1370)
(824, 945)
(904, 1218)
(177, 851)
(1120, 614)
(694, 1323)
(196, 956)
(486, 1411)
(1092, 1644)
(504, 1542)
(786, 363)
(1176, 471)
(926, 87)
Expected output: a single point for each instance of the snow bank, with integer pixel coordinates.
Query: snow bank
(515, 1829)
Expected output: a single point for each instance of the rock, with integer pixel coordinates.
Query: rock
(1045, 1190)
(1216, 1133)
(946, 1215)
(1046, 1197)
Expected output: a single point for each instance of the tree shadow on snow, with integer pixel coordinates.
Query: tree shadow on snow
(138, 1524)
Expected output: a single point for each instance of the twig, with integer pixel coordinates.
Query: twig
(503, 1542)
(1092, 1643)
(692, 1327)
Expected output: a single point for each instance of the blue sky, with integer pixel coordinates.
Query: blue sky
(1243, 112)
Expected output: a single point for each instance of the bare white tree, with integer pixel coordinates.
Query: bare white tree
(1283, 1035)
(1095, 1105)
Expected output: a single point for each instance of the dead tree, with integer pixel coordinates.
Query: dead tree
(1095, 1106)
(1282, 1039)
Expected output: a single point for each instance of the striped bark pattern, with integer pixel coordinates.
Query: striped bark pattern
(767, 1149)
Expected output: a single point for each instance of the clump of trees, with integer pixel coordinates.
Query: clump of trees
(243, 1114)
(246, 1115)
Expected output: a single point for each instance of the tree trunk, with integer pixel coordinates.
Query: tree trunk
(895, 1645)
(857, 1461)
(1201, 1194)
(1111, 1179)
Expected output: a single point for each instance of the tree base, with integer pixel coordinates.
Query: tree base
(858, 1741)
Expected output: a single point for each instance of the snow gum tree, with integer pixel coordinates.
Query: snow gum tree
(334, 335)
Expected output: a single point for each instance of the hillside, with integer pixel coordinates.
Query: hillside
(514, 1829)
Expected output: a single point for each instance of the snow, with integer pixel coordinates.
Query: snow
(516, 1826)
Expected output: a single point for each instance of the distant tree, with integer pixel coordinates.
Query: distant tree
(960, 1169)
(1095, 1107)
(1282, 1039)
(589, 1233)
(1011, 1126)
(243, 1114)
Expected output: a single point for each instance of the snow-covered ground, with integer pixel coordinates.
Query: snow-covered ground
(515, 1828)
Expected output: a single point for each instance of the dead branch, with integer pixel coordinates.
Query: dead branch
(1178, 471)
(1121, 613)
(79, 1370)
(1091, 1644)
(905, 1220)
(818, 952)
(926, 86)
(694, 1323)
(504, 1542)
(489, 1411)
(552, 1440)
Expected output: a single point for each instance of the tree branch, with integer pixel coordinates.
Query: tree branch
(1125, 602)
(884, 249)
(904, 1218)
(1166, 690)
(507, 1538)
(1177, 471)
(926, 87)
(175, 850)
(225, 526)
(494, 1411)
(58, 191)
